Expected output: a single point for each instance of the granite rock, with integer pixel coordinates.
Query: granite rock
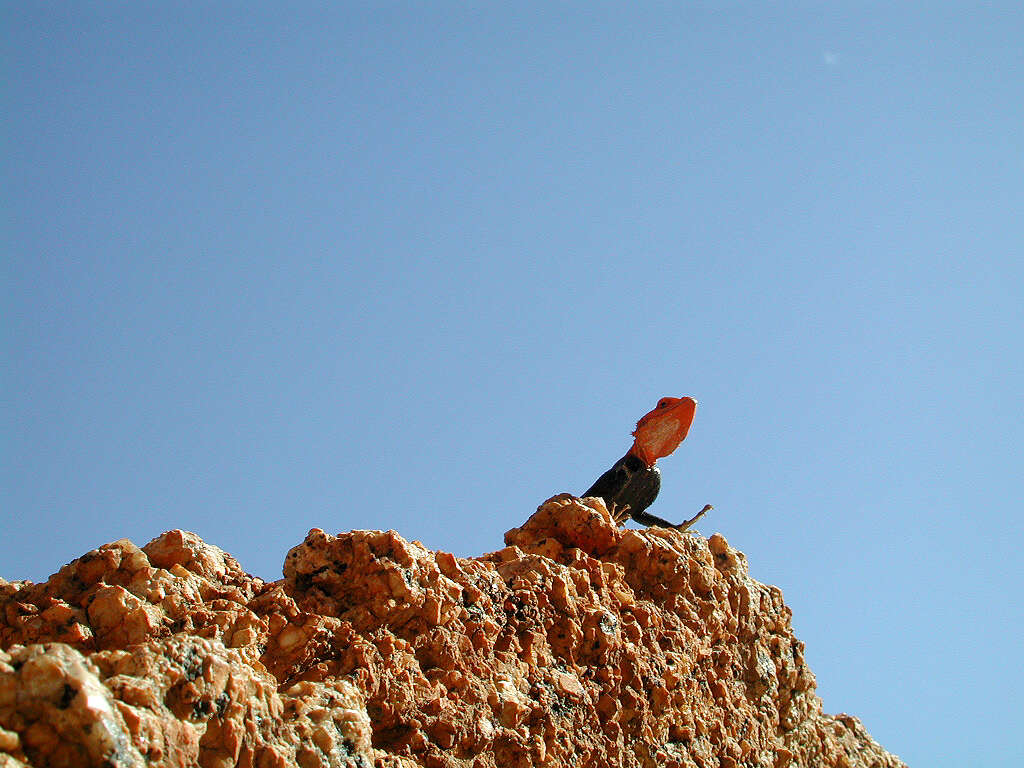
(578, 643)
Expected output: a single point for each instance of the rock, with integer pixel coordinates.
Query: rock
(577, 643)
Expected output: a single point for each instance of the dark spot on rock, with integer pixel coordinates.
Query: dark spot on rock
(201, 709)
(222, 704)
(192, 665)
(66, 696)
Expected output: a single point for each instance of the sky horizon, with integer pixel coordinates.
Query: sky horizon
(388, 266)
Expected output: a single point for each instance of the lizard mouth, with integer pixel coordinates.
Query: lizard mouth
(681, 403)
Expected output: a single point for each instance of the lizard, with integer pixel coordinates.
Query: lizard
(633, 482)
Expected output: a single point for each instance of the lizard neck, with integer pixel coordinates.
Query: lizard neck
(638, 452)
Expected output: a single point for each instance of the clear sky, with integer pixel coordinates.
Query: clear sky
(422, 265)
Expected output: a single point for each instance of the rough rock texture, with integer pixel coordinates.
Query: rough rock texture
(578, 644)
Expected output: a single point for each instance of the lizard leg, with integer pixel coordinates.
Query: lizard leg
(646, 518)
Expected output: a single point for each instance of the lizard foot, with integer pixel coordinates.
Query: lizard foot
(619, 514)
(685, 525)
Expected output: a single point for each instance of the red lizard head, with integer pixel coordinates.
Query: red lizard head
(662, 430)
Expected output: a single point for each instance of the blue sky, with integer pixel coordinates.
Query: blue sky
(422, 266)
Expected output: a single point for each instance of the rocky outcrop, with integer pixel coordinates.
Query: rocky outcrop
(579, 643)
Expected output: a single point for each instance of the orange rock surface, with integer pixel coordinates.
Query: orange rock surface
(578, 644)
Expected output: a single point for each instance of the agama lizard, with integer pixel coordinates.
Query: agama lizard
(633, 482)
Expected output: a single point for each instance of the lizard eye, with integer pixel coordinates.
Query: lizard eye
(663, 403)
